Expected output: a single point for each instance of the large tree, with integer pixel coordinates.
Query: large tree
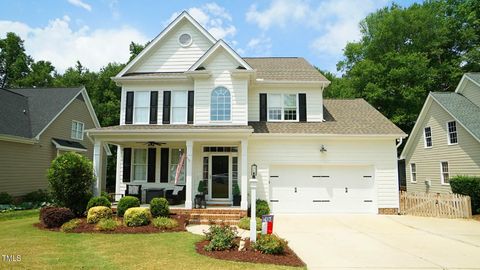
(404, 53)
(14, 62)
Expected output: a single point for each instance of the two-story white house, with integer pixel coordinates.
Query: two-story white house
(190, 95)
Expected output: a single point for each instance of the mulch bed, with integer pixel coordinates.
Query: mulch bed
(251, 255)
(85, 227)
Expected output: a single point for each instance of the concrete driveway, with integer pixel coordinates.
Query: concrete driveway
(381, 242)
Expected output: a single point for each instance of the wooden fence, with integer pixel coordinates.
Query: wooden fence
(435, 205)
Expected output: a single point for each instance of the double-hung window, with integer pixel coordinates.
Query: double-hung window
(452, 132)
(282, 107)
(220, 106)
(427, 135)
(413, 172)
(444, 173)
(140, 164)
(141, 108)
(179, 107)
(77, 130)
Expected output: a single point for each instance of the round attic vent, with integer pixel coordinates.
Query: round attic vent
(185, 40)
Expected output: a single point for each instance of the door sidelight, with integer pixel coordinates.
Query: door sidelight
(346, 189)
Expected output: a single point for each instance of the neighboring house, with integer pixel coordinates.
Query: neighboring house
(36, 125)
(445, 140)
(188, 93)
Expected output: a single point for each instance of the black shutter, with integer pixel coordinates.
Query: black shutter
(129, 108)
(302, 102)
(153, 107)
(152, 155)
(127, 163)
(190, 107)
(164, 165)
(166, 107)
(263, 107)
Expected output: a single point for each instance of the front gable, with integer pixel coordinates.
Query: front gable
(470, 88)
(166, 53)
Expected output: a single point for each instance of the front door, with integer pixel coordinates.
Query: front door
(220, 177)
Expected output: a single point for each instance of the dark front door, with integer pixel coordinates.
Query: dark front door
(220, 179)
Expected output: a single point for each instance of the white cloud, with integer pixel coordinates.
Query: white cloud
(80, 3)
(60, 44)
(216, 19)
(279, 13)
(259, 46)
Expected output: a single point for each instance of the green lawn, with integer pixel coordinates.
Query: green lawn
(44, 249)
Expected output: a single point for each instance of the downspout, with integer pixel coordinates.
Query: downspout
(400, 141)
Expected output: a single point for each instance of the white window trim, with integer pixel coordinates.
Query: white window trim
(442, 180)
(448, 133)
(185, 45)
(411, 173)
(283, 108)
(186, 108)
(425, 137)
(134, 121)
(231, 106)
(83, 129)
(132, 167)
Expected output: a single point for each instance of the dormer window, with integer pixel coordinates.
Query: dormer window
(220, 107)
(282, 107)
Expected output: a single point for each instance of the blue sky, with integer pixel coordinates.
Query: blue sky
(98, 32)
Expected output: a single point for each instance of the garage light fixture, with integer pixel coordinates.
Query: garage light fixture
(323, 149)
(254, 171)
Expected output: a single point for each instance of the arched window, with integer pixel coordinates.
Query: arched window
(220, 105)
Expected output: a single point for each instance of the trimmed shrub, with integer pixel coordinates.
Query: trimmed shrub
(71, 225)
(98, 201)
(54, 217)
(468, 185)
(97, 213)
(107, 196)
(5, 198)
(270, 244)
(159, 207)
(37, 197)
(262, 208)
(165, 223)
(137, 216)
(125, 203)
(70, 179)
(107, 224)
(220, 237)
(244, 223)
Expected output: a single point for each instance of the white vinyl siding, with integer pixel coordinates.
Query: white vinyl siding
(169, 56)
(139, 164)
(427, 136)
(77, 130)
(472, 92)
(141, 107)
(463, 157)
(179, 107)
(413, 172)
(219, 64)
(452, 132)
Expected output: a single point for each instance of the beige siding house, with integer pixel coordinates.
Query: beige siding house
(36, 126)
(446, 138)
(193, 109)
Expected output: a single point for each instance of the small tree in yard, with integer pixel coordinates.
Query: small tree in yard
(70, 179)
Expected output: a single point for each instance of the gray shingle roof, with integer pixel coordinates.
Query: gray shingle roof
(284, 69)
(70, 144)
(43, 105)
(342, 117)
(474, 76)
(462, 109)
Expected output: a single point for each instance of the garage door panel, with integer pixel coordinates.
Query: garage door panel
(322, 189)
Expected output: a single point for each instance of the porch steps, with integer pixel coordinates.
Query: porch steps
(212, 215)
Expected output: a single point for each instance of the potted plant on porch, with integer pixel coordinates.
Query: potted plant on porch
(236, 195)
(200, 197)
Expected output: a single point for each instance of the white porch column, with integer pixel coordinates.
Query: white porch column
(244, 175)
(189, 180)
(97, 167)
(119, 172)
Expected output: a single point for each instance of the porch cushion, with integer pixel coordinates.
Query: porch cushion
(177, 189)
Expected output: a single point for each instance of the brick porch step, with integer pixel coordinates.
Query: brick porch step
(212, 215)
(211, 222)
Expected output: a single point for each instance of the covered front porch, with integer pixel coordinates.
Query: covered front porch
(173, 165)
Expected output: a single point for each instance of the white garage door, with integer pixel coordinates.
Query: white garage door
(322, 189)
